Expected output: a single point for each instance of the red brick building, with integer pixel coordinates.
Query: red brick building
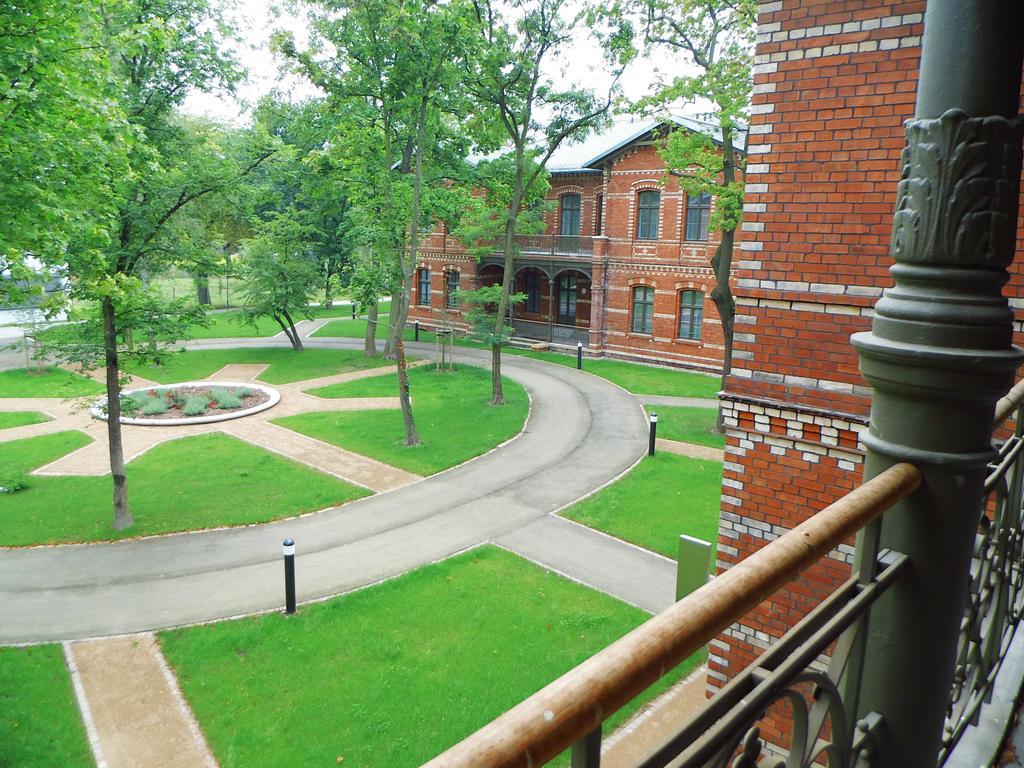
(833, 82)
(624, 264)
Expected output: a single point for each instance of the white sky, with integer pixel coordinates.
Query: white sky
(582, 64)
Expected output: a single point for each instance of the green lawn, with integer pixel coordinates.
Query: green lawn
(356, 329)
(53, 382)
(394, 674)
(195, 482)
(452, 412)
(664, 496)
(10, 419)
(688, 425)
(286, 365)
(638, 379)
(39, 722)
(231, 325)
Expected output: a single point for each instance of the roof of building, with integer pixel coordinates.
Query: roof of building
(585, 156)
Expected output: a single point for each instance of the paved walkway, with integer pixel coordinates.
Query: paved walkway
(134, 711)
(583, 432)
(692, 450)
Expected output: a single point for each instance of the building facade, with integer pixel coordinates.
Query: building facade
(623, 265)
(833, 83)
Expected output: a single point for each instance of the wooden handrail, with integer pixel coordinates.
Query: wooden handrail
(547, 723)
(1008, 404)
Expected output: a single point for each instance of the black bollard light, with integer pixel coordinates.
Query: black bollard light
(579, 355)
(288, 546)
(353, 310)
(654, 434)
(416, 330)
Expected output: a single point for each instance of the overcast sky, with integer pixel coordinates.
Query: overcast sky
(582, 64)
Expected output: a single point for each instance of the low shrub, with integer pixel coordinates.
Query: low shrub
(225, 398)
(12, 482)
(129, 405)
(195, 406)
(243, 392)
(153, 405)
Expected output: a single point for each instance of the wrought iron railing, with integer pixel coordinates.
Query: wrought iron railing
(556, 333)
(996, 597)
(555, 245)
(823, 696)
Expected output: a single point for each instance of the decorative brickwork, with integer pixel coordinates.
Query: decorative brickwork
(834, 82)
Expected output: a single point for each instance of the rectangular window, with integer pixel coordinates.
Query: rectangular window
(570, 220)
(648, 204)
(531, 287)
(451, 295)
(599, 215)
(643, 309)
(566, 300)
(698, 209)
(691, 314)
(425, 287)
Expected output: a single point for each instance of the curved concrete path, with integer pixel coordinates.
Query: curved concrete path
(583, 432)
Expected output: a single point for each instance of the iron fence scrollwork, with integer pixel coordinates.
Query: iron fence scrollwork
(996, 594)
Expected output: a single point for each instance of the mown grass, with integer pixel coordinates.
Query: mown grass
(394, 674)
(452, 410)
(286, 365)
(662, 497)
(51, 382)
(232, 324)
(635, 378)
(9, 419)
(195, 482)
(688, 425)
(356, 329)
(39, 722)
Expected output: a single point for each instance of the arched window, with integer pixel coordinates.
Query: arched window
(451, 298)
(424, 282)
(698, 208)
(648, 204)
(691, 314)
(643, 309)
(570, 216)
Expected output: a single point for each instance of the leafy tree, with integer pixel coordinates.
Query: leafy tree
(391, 64)
(521, 108)
(281, 274)
(481, 312)
(59, 157)
(159, 49)
(716, 39)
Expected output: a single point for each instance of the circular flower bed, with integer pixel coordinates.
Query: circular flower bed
(193, 402)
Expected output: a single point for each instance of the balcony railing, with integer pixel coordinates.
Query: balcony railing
(814, 668)
(555, 245)
(568, 713)
(551, 332)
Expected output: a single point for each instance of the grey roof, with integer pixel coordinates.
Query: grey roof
(585, 156)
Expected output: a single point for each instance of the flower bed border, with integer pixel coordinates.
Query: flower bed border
(99, 408)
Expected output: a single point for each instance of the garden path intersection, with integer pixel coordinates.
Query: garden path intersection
(582, 433)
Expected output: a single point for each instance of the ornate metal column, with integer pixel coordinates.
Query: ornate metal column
(940, 354)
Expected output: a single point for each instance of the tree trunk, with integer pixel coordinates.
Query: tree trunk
(203, 289)
(328, 296)
(721, 264)
(497, 392)
(390, 346)
(412, 436)
(122, 511)
(370, 338)
(293, 335)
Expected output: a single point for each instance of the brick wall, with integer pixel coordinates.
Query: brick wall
(834, 81)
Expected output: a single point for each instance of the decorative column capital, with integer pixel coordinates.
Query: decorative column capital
(957, 199)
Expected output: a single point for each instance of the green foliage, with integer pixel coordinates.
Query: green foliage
(243, 392)
(480, 311)
(130, 405)
(195, 482)
(40, 725)
(227, 399)
(154, 405)
(12, 482)
(195, 405)
(453, 644)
